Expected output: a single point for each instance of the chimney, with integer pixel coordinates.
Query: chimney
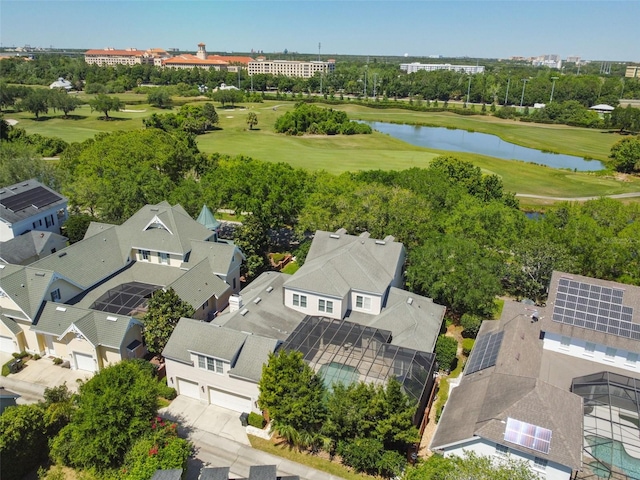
(235, 303)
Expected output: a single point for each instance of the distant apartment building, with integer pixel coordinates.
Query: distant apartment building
(160, 58)
(431, 67)
(574, 59)
(290, 68)
(633, 71)
(129, 56)
(551, 61)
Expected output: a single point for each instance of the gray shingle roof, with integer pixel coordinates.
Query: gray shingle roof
(214, 473)
(88, 261)
(512, 388)
(631, 298)
(255, 353)
(337, 263)
(10, 324)
(26, 286)
(178, 229)
(21, 188)
(268, 318)
(29, 245)
(98, 328)
(219, 255)
(199, 284)
(201, 337)
(175, 474)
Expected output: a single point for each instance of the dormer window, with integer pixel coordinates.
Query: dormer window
(145, 255)
(164, 258)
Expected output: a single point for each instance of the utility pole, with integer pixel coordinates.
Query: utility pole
(365, 82)
(507, 95)
(319, 45)
(525, 80)
(553, 86)
(468, 89)
(375, 82)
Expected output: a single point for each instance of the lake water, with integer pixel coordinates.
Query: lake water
(472, 142)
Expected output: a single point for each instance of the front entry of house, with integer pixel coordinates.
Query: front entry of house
(229, 400)
(7, 345)
(187, 388)
(50, 348)
(84, 361)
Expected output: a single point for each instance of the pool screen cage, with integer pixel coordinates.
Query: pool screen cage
(611, 404)
(343, 351)
(128, 299)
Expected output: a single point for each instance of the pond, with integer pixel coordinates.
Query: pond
(491, 145)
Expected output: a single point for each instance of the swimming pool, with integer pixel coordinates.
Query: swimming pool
(612, 452)
(335, 372)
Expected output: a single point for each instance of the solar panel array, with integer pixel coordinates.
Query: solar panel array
(528, 435)
(38, 197)
(595, 308)
(485, 352)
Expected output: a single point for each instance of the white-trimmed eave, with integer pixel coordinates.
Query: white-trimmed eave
(156, 219)
(453, 444)
(194, 352)
(133, 247)
(74, 329)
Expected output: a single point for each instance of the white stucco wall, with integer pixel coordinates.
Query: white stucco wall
(577, 348)
(7, 231)
(206, 379)
(339, 304)
(376, 302)
(554, 471)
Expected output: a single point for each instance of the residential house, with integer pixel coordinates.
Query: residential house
(346, 296)
(85, 298)
(31, 246)
(30, 205)
(557, 386)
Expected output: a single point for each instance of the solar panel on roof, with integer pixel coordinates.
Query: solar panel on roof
(38, 197)
(595, 308)
(528, 435)
(485, 352)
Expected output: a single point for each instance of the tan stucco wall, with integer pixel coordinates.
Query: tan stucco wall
(67, 290)
(8, 303)
(30, 338)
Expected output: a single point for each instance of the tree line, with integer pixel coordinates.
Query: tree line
(502, 82)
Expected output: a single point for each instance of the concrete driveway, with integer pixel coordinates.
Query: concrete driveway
(194, 415)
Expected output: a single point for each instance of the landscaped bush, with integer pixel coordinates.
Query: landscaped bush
(256, 420)
(446, 349)
(467, 345)
(22, 354)
(471, 324)
(5, 369)
(166, 391)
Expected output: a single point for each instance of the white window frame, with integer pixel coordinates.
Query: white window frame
(210, 364)
(299, 300)
(55, 295)
(145, 255)
(610, 354)
(163, 258)
(565, 342)
(363, 302)
(325, 305)
(589, 349)
(632, 359)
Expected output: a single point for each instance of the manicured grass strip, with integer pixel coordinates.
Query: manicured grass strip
(305, 459)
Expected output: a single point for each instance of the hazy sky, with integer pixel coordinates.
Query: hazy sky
(596, 30)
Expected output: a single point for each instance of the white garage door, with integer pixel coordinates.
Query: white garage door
(229, 400)
(84, 362)
(188, 389)
(6, 345)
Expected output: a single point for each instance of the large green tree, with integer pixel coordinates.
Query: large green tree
(165, 308)
(115, 408)
(291, 393)
(114, 175)
(625, 154)
(36, 101)
(61, 100)
(105, 104)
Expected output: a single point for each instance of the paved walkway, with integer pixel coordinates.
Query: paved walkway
(220, 440)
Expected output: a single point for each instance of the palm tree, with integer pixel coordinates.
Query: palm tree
(287, 432)
(252, 120)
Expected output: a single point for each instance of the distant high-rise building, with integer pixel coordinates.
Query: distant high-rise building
(633, 71)
(290, 68)
(551, 61)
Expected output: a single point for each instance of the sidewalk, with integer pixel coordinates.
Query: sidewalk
(221, 441)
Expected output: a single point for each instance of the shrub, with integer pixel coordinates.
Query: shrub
(5, 369)
(362, 454)
(57, 361)
(22, 354)
(256, 420)
(446, 350)
(166, 391)
(467, 345)
(471, 324)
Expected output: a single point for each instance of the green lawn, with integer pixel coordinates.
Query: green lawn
(338, 153)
